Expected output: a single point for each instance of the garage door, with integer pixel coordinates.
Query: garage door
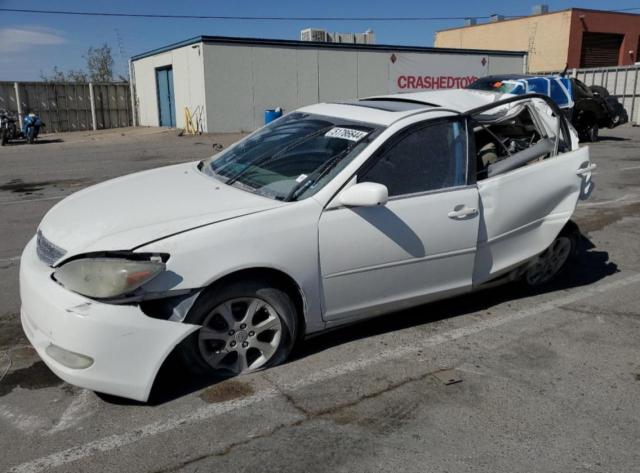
(600, 49)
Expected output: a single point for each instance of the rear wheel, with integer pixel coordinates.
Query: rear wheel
(246, 326)
(550, 263)
(589, 132)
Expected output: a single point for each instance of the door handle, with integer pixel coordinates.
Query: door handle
(463, 212)
(586, 170)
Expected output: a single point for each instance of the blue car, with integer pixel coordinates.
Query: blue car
(588, 108)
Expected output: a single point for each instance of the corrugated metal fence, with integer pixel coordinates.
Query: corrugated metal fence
(68, 106)
(622, 82)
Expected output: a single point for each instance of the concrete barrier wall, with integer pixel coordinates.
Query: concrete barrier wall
(68, 106)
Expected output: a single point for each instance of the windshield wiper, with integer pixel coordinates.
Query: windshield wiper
(316, 175)
(269, 157)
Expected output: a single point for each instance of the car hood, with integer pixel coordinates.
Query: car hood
(124, 213)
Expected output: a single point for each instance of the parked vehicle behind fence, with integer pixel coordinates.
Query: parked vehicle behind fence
(588, 108)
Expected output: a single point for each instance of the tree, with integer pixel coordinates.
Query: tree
(100, 63)
(56, 76)
(99, 68)
(77, 76)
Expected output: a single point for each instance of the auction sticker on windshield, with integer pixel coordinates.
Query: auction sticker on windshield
(346, 134)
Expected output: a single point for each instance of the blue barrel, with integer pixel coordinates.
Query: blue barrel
(272, 114)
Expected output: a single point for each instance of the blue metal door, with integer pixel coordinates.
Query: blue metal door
(166, 103)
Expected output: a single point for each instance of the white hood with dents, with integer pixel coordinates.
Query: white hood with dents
(124, 213)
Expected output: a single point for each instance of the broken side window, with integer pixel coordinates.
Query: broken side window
(514, 135)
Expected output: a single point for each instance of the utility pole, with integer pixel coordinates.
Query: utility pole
(93, 106)
(16, 87)
(132, 92)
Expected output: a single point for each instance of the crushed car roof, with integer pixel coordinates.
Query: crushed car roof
(387, 109)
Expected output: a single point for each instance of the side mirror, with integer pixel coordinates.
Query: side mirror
(364, 194)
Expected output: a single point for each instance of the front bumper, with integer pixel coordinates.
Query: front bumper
(127, 346)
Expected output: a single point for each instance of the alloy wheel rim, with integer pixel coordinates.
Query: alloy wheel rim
(550, 262)
(240, 335)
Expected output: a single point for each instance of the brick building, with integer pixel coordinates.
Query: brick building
(575, 37)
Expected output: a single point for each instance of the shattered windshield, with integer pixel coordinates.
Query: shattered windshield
(292, 157)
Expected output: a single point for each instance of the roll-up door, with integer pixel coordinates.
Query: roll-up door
(600, 49)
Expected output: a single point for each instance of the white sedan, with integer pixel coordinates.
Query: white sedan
(333, 213)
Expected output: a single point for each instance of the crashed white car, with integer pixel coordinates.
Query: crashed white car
(333, 213)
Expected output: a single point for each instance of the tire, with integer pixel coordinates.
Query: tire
(554, 260)
(3, 137)
(599, 90)
(589, 133)
(246, 326)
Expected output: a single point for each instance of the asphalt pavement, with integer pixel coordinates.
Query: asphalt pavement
(502, 380)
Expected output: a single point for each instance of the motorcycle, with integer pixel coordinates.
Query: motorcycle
(8, 127)
(9, 130)
(31, 127)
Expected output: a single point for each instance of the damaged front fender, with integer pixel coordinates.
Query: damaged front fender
(127, 346)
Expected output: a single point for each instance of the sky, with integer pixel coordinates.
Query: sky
(35, 43)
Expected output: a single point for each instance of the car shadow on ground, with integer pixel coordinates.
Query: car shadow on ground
(612, 138)
(590, 266)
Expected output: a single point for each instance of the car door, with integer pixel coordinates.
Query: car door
(524, 209)
(419, 245)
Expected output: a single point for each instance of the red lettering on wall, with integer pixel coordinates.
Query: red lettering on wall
(434, 82)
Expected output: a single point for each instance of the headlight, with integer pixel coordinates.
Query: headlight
(106, 277)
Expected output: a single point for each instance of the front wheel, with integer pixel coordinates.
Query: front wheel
(553, 261)
(245, 326)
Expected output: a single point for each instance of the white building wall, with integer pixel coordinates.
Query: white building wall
(373, 73)
(338, 75)
(233, 84)
(229, 88)
(275, 79)
(254, 78)
(188, 85)
(308, 76)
